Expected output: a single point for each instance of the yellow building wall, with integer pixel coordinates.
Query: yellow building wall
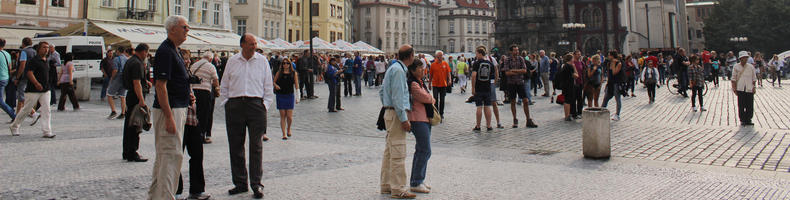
(324, 23)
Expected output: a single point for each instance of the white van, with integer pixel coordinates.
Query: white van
(88, 52)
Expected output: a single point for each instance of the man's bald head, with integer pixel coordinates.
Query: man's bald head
(406, 54)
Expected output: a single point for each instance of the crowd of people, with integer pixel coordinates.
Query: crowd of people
(412, 90)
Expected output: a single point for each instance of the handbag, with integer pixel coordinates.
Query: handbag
(436, 119)
(560, 99)
(191, 116)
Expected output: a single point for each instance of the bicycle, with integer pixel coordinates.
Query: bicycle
(673, 86)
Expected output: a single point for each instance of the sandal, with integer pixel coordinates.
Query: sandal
(285, 138)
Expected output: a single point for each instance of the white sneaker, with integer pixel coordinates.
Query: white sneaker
(616, 118)
(421, 189)
(14, 131)
(694, 109)
(181, 197)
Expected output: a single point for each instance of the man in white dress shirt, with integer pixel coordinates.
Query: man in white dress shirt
(248, 89)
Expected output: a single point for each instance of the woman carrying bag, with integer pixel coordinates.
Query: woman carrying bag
(419, 117)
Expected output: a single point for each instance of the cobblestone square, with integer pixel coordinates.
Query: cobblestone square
(660, 151)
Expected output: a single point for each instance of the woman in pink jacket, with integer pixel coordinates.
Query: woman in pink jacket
(421, 110)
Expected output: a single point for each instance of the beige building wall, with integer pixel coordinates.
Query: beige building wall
(41, 14)
(264, 18)
(383, 23)
(149, 12)
(203, 14)
(464, 25)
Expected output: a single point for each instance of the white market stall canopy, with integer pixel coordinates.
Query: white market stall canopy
(151, 35)
(13, 37)
(370, 49)
(348, 47)
(226, 41)
(268, 45)
(318, 45)
(283, 45)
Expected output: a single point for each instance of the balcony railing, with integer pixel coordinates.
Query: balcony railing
(135, 14)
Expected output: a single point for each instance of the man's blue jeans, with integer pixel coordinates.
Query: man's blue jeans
(528, 88)
(105, 82)
(358, 84)
(8, 110)
(422, 133)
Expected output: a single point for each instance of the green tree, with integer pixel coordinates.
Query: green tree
(764, 22)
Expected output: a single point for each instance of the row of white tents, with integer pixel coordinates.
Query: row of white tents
(319, 45)
(204, 39)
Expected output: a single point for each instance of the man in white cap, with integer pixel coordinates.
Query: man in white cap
(743, 79)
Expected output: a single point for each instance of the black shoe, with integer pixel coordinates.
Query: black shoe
(237, 190)
(476, 129)
(112, 115)
(257, 193)
(489, 129)
(121, 116)
(531, 124)
(137, 159)
(265, 138)
(499, 126)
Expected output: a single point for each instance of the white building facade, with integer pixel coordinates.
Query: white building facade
(424, 21)
(465, 25)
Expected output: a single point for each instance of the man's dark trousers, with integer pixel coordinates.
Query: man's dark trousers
(193, 142)
(204, 109)
(438, 94)
(247, 113)
(745, 106)
(131, 135)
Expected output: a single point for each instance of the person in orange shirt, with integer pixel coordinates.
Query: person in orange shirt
(440, 80)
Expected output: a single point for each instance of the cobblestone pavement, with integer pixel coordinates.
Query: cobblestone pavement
(660, 151)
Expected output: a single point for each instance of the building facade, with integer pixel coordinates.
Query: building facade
(348, 20)
(538, 25)
(263, 18)
(41, 15)
(383, 23)
(328, 20)
(465, 25)
(424, 26)
(137, 12)
(698, 11)
(203, 14)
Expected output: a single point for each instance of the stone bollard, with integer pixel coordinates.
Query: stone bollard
(596, 135)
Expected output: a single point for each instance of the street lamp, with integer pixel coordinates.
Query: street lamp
(574, 28)
(563, 43)
(739, 41)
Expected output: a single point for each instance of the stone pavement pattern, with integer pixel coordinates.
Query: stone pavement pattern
(661, 151)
